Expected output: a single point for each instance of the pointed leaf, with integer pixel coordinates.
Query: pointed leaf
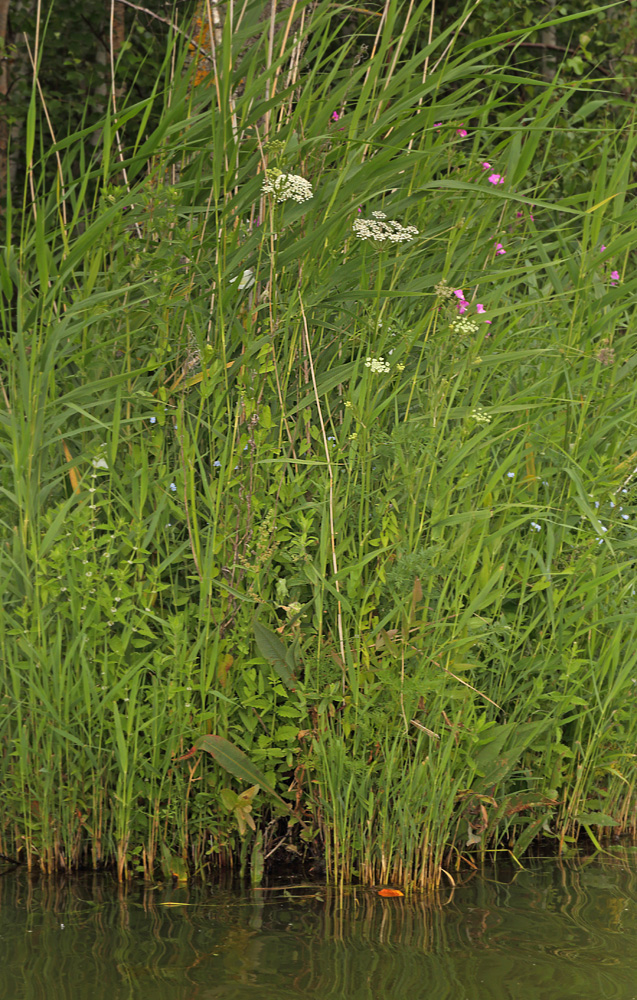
(271, 647)
(236, 762)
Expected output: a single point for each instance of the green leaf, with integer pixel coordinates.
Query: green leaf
(229, 798)
(271, 647)
(507, 742)
(529, 834)
(596, 819)
(256, 862)
(233, 760)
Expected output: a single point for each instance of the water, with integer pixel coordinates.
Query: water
(554, 931)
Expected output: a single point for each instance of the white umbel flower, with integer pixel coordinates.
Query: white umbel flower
(377, 230)
(377, 364)
(287, 187)
(464, 326)
(480, 415)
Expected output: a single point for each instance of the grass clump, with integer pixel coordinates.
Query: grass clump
(320, 352)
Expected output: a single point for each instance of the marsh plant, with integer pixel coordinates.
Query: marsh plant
(318, 440)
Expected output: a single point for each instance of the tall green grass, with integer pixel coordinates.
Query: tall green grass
(221, 407)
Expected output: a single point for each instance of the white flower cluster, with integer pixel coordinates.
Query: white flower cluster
(377, 364)
(464, 326)
(378, 230)
(481, 416)
(287, 187)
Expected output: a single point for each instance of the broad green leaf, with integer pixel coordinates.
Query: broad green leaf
(596, 819)
(272, 649)
(236, 762)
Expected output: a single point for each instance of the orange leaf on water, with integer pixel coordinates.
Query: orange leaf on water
(390, 892)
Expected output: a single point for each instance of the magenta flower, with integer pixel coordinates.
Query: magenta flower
(480, 308)
(614, 275)
(463, 305)
(462, 131)
(499, 249)
(495, 179)
(437, 124)
(335, 116)
(486, 166)
(601, 249)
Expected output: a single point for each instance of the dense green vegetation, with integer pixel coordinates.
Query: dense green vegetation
(354, 513)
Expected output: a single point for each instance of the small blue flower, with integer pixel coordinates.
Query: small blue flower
(603, 528)
(173, 487)
(625, 517)
(153, 420)
(511, 475)
(612, 504)
(536, 526)
(597, 503)
(217, 463)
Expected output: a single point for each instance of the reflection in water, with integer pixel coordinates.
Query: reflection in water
(554, 930)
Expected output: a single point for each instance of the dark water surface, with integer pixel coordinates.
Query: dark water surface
(558, 929)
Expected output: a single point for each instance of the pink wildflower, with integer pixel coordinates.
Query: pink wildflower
(463, 305)
(480, 308)
(335, 116)
(601, 249)
(437, 124)
(486, 166)
(462, 131)
(614, 277)
(499, 249)
(495, 179)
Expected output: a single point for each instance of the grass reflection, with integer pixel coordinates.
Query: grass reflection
(559, 928)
